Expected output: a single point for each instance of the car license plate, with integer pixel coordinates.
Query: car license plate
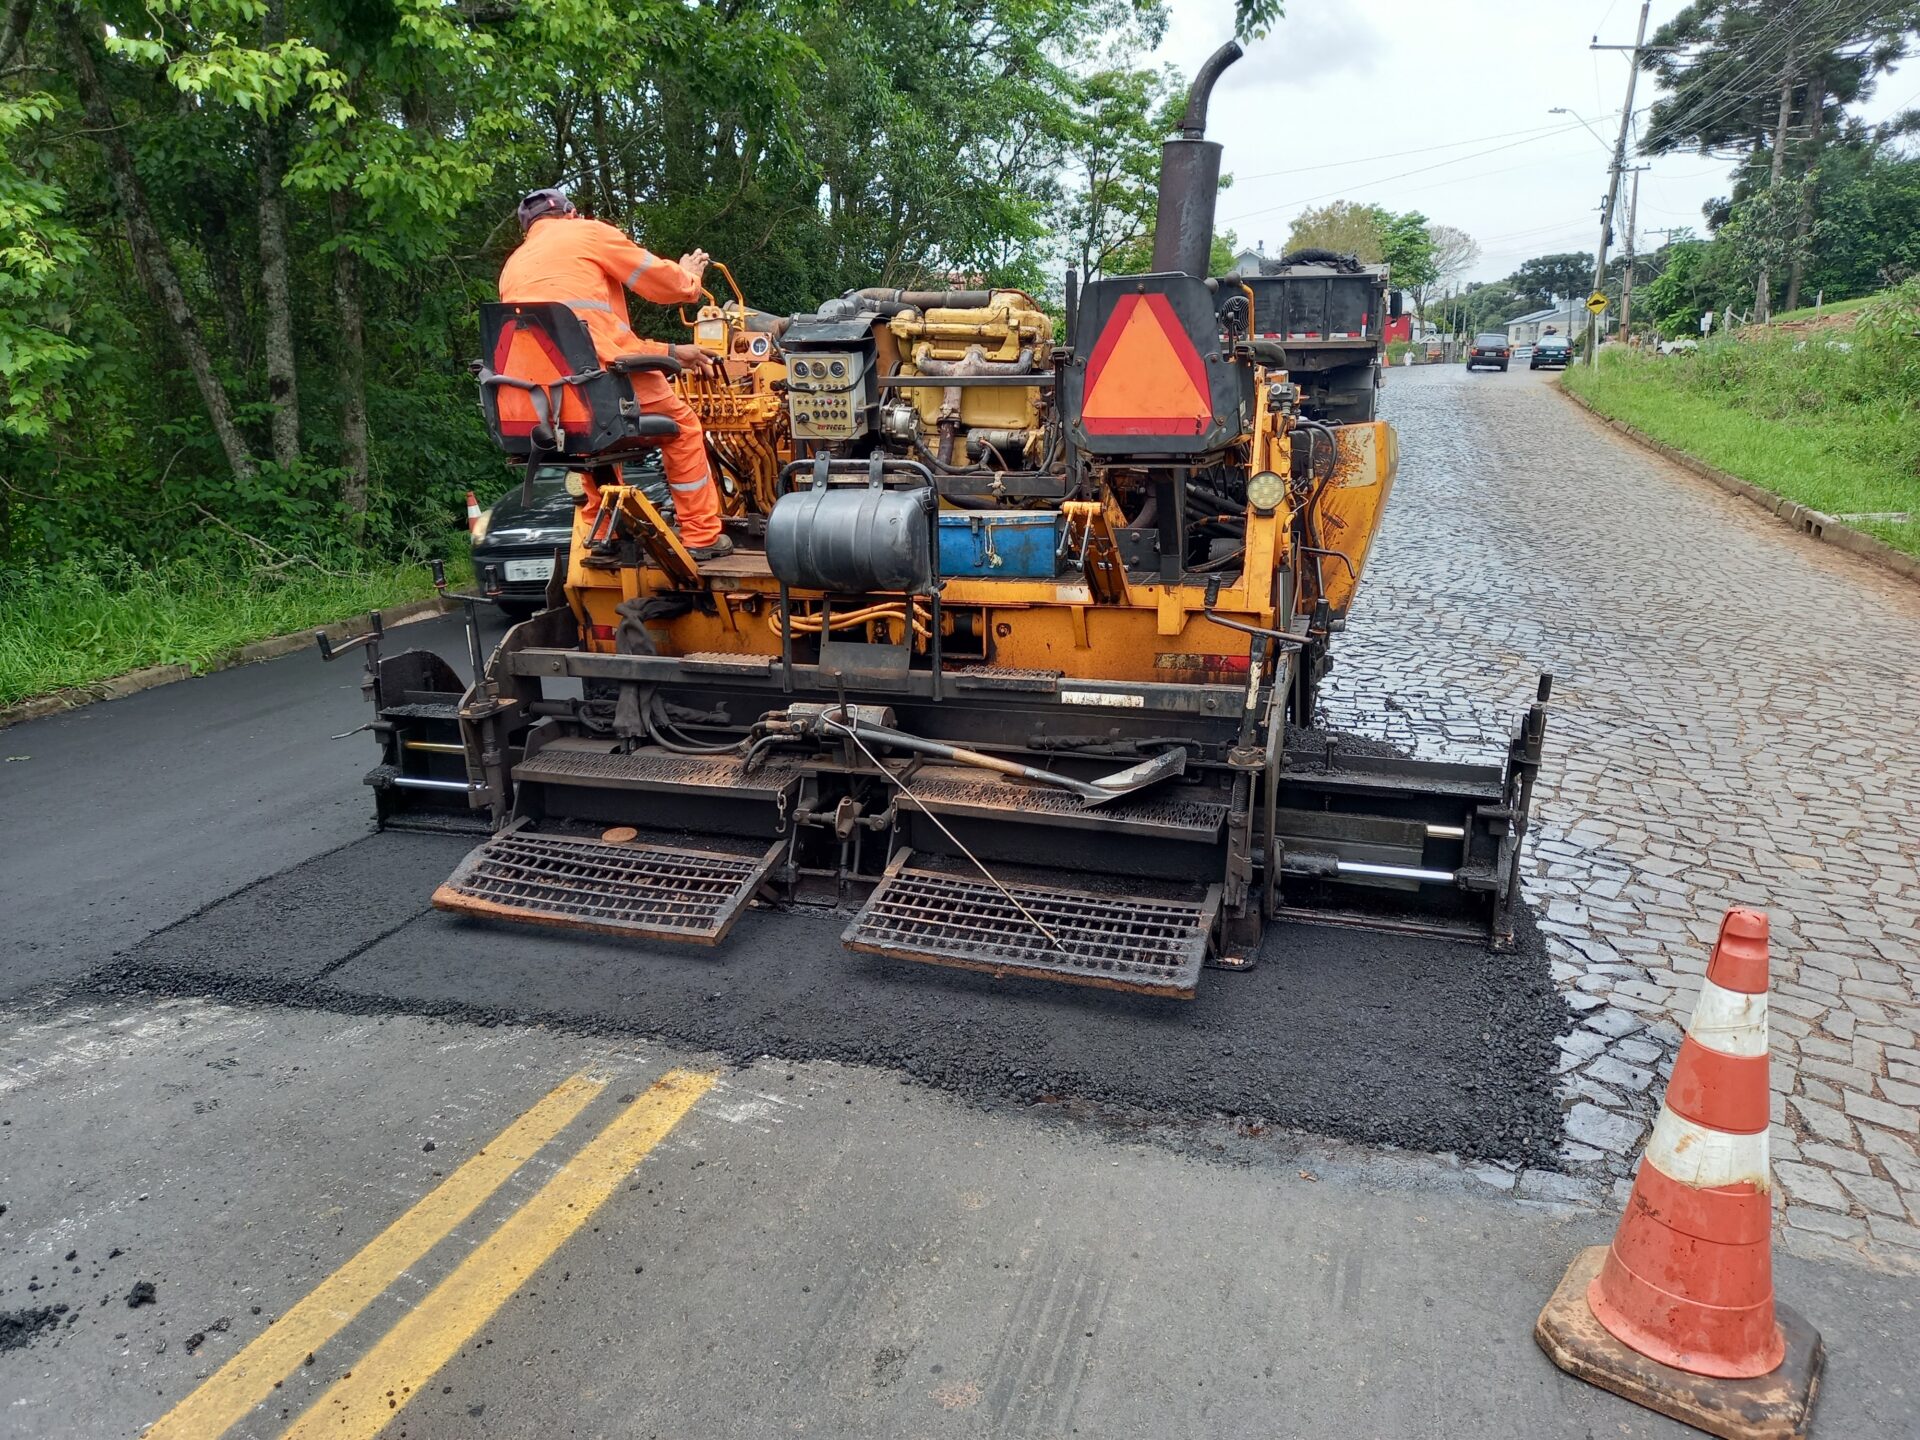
(530, 569)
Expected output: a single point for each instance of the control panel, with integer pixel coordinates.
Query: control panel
(827, 395)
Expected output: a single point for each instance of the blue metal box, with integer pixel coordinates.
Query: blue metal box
(1003, 544)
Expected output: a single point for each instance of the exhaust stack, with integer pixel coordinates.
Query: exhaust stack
(1190, 179)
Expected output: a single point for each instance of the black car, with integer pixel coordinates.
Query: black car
(1490, 349)
(1551, 351)
(515, 544)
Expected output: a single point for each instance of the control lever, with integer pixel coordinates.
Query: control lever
(371, 640)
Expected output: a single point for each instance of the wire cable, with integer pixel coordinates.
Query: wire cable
(853, 734)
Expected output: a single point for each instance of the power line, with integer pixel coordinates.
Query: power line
(1539, 130)
(1404, 174)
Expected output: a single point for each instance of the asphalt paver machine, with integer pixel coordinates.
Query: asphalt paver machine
(1015, 661)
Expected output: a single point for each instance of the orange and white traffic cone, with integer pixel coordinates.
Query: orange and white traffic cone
(1678, 1314)
(473, 512)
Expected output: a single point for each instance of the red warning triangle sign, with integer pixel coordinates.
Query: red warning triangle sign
(1145, 377)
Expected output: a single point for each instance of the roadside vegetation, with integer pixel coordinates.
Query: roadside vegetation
(1828, 420)
(242, 244)
(78, 622)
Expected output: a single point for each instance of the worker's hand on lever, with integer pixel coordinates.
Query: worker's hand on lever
(696, 360)
(695, 262)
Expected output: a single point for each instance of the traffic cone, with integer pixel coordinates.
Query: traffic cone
(1678, 1314)
(473, 512)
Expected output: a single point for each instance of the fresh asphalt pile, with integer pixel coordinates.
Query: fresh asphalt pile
(1386, 1039)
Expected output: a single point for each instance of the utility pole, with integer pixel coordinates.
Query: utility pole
(1613, 171)
(1626, 278)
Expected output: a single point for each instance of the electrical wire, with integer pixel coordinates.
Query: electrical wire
(1404, 174)
(1397, 154)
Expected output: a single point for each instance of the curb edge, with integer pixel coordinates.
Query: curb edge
(1804, 518)
(119, 687)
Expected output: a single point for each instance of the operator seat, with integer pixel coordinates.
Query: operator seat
(548, 396)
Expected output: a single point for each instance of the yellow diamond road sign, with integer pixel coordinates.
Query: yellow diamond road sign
(1597, 301)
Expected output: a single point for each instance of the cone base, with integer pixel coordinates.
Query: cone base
(1775, 1406)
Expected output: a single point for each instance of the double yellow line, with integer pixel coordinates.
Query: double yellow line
(359, 1405)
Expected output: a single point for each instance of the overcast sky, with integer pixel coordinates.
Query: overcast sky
(1330, 105)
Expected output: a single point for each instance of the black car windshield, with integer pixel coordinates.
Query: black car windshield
(1550, 342)
(1489, 339)
(548, 481)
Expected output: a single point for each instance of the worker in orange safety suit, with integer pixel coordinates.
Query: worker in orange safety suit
(589, 266)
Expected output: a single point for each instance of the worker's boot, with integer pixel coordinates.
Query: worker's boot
(721, 546)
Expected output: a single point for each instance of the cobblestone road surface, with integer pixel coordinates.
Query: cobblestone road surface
(1737, 720)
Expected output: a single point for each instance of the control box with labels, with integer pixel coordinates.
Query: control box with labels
(827, 395)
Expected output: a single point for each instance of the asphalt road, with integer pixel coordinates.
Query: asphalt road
(389, 1172)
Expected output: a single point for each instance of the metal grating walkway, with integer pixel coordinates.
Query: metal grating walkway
(644, 891)
(1121, 942)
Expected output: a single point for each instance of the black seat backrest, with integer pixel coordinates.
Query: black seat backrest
(545, 391)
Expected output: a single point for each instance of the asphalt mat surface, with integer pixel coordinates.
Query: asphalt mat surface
(1389, 1039)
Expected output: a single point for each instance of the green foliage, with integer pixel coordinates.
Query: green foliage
(1344, 226)
(1549, 278)
(1821, 420)
(1869, 225)
(40, 253)
(76, 622)
(1407, 245)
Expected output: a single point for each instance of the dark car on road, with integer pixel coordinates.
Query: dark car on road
(1551, 351)
(1490, 349)
(517, 546)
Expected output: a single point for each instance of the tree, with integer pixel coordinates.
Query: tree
(1549, 278)
(1114, 144)
(1343, 226)
(1768, 82)
(313, 195)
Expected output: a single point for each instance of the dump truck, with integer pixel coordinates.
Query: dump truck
(1016, 660)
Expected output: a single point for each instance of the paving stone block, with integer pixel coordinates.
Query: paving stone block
(1639, 1051)
(1894, 1232)
(1603, 1129)
(1876, 1194)
(1879, 1112)
(1610, 1071)
(1809, 1185)
(1833, 1157)
(1840, 1227)
(1899, 1094)
(1613, 1023)
(1824, 1121)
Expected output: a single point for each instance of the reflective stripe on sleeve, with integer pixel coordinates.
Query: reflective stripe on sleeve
(646, 264)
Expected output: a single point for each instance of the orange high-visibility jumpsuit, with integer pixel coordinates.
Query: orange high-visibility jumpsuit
(589, 266)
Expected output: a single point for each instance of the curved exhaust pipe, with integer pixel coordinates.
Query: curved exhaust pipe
(1190, 178)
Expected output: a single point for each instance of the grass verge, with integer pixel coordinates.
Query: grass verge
(1806, 420)
(70, 625)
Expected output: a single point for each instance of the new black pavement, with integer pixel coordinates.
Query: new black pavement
(1389, 1039)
